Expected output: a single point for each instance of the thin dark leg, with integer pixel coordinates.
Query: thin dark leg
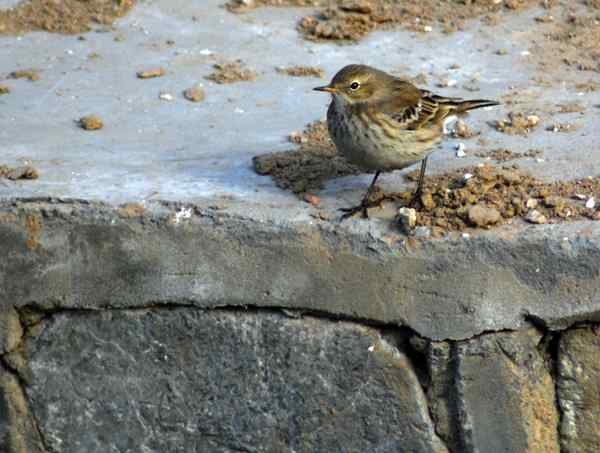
(370, 189)
(417, 195)
(364, 204)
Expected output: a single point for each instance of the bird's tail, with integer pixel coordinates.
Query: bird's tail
(458, 106)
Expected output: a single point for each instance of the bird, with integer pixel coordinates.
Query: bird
(383, 123)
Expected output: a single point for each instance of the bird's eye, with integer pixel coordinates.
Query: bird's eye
(355, 86)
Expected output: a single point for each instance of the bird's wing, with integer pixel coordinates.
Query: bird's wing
(411, 108)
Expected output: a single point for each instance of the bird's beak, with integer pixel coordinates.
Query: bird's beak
(326, 88)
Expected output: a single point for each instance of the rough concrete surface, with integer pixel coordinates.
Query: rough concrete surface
(146, 273)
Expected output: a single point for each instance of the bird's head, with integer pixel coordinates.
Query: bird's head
(359, 83)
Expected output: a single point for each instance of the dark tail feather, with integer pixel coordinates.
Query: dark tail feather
(463, 106)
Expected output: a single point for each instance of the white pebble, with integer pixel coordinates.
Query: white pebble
(460, 150)
(531, 203)
(166, 96)
(466, 235)
(536, 217)
(206, 52)
(590, 203)
(408, 217)
(467, 176)
(427, 28)
(532, 120)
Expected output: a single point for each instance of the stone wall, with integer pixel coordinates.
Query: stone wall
(122, 334)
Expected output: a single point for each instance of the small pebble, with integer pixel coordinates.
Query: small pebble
(532, 120)
(166, 96)
(24, 172)
(194, 94)
(152, 73)
(407, 217)
(483, 216)
(90, 123)
(536, 217)
(591, 203)
(531, 203)
(312, 199)
(460, 150)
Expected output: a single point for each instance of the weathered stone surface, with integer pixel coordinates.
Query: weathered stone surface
(10, 329)
(505, 394)
(579, 390)
(87, 256)
(18, 432)
(441, 393)
(189, 380)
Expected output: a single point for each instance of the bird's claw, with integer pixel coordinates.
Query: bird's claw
(349, 212)
(415, 200)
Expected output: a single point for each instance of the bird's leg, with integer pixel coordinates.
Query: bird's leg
(417, 195)
(364, 204)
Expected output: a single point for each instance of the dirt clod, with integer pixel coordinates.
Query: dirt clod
(29, 74)
(505, 155)
(562, 127)
(462, 130)
(517, 123)
(302, 71)
(536, 217)
(4, 90)
(231, 72)
(483, 216)
(307, 168)
(151, 73)
(352, 20)
(194, 94)
(90, 123)
(131, 210)
(23, 172)
(65, 16)
(312, 199)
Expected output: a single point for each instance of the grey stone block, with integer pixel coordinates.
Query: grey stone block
(505, 394)
(441, 392)
(189, 380)
(578, 384)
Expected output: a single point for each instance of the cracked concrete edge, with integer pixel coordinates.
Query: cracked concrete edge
(87, 255)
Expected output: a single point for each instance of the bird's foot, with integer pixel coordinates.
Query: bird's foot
(350, 212)
(415, 200)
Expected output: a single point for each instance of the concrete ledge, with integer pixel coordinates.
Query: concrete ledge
(86, 255)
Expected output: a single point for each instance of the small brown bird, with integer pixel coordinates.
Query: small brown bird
(382, 123)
